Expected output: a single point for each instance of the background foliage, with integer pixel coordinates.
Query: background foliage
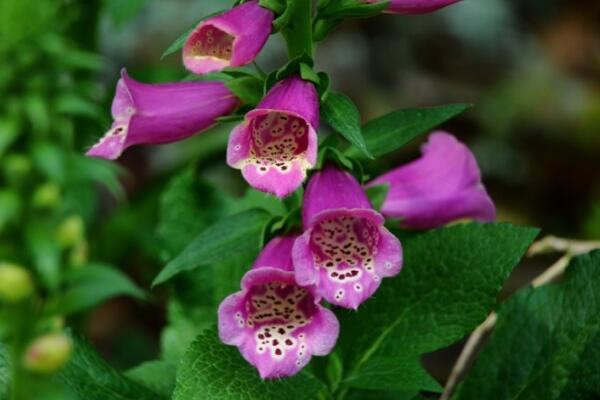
(533, 71)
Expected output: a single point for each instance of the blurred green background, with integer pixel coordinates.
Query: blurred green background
(532, 69)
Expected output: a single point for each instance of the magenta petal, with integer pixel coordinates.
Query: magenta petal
(277, 253)
(345, 253)
(442, 186)
(233, 38)
(296, 96)
(276, 324)
(275, 145)
(332, 188)
(161, 113)
(414, 6)
(417, 6)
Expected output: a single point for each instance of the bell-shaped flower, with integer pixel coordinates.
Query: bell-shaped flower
(442, 186)
(161, 113)
(231, 39)
(277, 141)
(414, 6)
(345, 249)
(276, 324)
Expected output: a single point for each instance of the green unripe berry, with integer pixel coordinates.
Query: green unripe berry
(71, 231)
(48, 354)
(46, 196)
(16, 283)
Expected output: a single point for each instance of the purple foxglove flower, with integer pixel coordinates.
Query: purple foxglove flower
(161, 113)
(414, 6)
(277, 324)
(345, 250)
(442, 186)
(277, 142)
(231, 39)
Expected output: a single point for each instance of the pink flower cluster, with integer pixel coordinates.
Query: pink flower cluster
(344, 250)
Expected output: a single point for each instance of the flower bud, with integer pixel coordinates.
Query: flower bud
(46, 196)
(71, 231)
(15, 283)
(48, 354)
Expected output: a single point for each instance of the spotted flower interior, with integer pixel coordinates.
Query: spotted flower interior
(344, 250)
(278, 312)
(212, 42)
(277, 139)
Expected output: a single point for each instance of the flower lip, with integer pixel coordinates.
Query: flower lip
(345, 253)
(209, 48)
(273, 148)
(277, 324)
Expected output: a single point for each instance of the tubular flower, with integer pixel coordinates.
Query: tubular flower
(414, 6)
(345, 250)
(231, 39)
(277, 142)
(161, 113)
(276, 324)
(442, 186)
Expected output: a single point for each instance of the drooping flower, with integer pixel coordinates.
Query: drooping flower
(345, 250)
(414, 6)
(161, 113)
(233, 38)
(443, 185)
(277, 142)
(276, 324)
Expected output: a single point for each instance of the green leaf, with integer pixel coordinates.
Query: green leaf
(156, 375)
(121, 12)
(180, 41)
(351, 9)
(214, 371)
(222, 241)
(248, 88)
(343, 116)
(91, 378)
(546, 344)
(308, 74)
(46, 253)
(91, 285)
(187, 206)
(4, 372)
(392, 131)
(377, 195)
(256, 199)
(10, 205)
(447, 286)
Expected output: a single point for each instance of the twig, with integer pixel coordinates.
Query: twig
(465, 358)
(548, 244)
(551, 244)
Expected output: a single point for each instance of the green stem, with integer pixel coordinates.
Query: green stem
(298, 34)
(16, 354)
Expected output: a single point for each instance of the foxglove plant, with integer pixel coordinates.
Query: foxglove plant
(345, 250)
(328, 240)
(161, 113)
(276, 323)
(442, 186)
(414, 6)
(277, 142)
(231, 39)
